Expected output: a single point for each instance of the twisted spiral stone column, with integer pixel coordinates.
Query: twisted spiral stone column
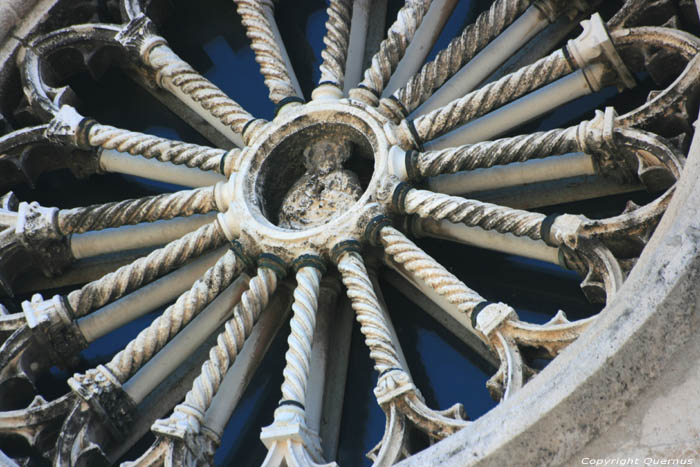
(368, 312)
(134, 211)
(421, 266)
(473, 213)
(153, 147)
(336, 40)
(221, 357)
(142, 271)
(491, 96)
(267, 51)
(499, 152)
(175, 317)
(303, 324)
(391, 50)
(168, 66)
(460, 50)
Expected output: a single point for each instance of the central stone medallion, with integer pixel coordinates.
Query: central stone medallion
(326, 189)
(309, 180)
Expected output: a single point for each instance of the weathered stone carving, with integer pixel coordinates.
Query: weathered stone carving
(290, 202)
(324, 191)
(29, 238)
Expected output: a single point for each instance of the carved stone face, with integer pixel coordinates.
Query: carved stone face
(325, 190)
(326, 155)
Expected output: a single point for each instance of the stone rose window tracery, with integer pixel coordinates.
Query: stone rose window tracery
(289, 222)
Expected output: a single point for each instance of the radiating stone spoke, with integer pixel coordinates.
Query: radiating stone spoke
(289, 439)
(426, 270)
(600, 257)
(49, 238)
(600, 145)
(178, 77)
(621, 160)
(359, 31)
(270, 53)
(494, 323)
(545, 41)
(129, 239)
(534, 19)
(603, 58)
(134, 211)
(108, 403)
(421, 45)
(378, 335)
(479, 237)
(471, 212)
(492, 96)
(490, 153)
(384, 310)
(51, 336)
(160, 292)
(330, 359)
(424, 297)
(378, 338)
(68, 126)
(520, 111)
(437, 424)
(303, 324)
(127, 278)
(112, 161)
(174, 318)
(121, 151)
(539, 194)
(185, 422)
(390, 51)
(592, 47)
(336, 42)
(460, 50)
(364, 302)
(162, 149)
(395, 388)
(172, 451)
